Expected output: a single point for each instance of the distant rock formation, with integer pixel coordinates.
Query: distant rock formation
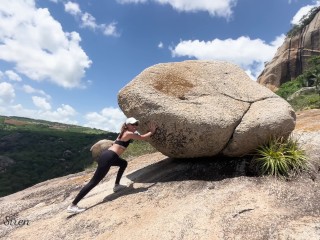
(291, 59)
(205, 108)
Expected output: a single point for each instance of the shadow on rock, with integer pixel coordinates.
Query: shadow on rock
(206, 169)
(128, 191)
(114, 196)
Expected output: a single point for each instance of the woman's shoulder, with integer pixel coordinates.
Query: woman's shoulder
(127, 135)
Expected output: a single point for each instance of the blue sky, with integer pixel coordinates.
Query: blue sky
(66, 61)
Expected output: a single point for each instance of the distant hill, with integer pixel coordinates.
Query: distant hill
(32, 151)
(21, 123)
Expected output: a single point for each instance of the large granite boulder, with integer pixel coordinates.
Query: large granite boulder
(204, 108)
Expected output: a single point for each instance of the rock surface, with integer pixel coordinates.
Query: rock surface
(173, 199)
(291, 59)
(307, 132)
(204, 108)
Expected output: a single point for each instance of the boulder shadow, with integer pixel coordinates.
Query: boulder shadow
(124, 192)
(170, 169)
(207, 169)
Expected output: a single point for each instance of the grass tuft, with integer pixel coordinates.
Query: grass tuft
(280, 157)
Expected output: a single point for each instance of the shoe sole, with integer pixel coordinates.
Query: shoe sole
(71, 211)
(130, 184)
(75, 212)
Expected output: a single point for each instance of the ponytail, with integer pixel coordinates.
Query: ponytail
(123, 129)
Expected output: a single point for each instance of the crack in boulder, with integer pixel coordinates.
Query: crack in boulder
(201, 111)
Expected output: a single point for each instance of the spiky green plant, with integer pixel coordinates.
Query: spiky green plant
(296, 156)
(280, 157)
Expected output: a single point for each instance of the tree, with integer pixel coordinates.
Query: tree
(304, 21)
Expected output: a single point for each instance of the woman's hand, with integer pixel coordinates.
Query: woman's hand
(152, 127)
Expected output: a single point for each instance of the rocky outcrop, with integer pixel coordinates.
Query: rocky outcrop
(174, 199)
(204, 108)
(291, 59)
(170, 199)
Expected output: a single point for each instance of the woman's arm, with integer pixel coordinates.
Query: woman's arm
(152, 129)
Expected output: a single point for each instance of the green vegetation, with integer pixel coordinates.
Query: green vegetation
(138, 148)
(290, 87)
(308, 101)
(312, 75)
(310, 78)
(304, 21)
(280, 157)
(27, 124)
(43, 150)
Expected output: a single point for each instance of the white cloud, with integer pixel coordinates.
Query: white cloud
(131, 1)
(302, 12)
(220, 8)
(41, 103)
(63, 114)
(35, 42)
(278, 41)
(7, 93)
(18, 110)
(89, 21)
(30, 90)
(72, 8)
(13, 76)
(160, 45)
(109, 119)
(110, 29)
(250, 54)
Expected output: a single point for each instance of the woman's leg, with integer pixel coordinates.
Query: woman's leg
(122, 167)
(104, 165)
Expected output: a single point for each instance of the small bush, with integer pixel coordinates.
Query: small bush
(308, 101)
(280, 157)
(290, 87)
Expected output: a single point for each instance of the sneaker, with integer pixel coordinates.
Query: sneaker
(118, 187)
(75, 209)
(130, 183)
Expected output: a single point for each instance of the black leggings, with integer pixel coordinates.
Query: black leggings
(107, 159)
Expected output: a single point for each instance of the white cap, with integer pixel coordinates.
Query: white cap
(131, 120)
